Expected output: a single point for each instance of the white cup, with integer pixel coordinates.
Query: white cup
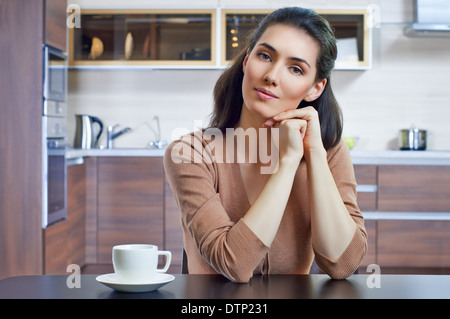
(138, 263)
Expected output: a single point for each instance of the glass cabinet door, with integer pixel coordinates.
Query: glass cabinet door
(352, 37)
(187, 37)
(350, 26)
(237, 28)
(144, 37)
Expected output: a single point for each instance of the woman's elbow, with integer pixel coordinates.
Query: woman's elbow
(240, 280)
(236, 276)
(341, 275)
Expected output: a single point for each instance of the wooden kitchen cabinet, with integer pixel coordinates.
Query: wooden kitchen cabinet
(367, 186)
(76, 213)
(128, 200)
(24, 29)
(55, 31)
(21, 59)
(173, 235)
(56, 248)
(130, 203)
(414, 188)
(65, 241)
(403, 188)
(414, 243)
(371, 254)
(366, 179)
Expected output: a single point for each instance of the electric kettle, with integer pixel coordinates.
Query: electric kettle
(86, 135)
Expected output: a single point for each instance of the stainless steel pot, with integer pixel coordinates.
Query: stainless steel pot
(413, 139)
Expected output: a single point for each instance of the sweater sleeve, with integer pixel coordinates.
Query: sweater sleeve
(341, 167)
(192, 174)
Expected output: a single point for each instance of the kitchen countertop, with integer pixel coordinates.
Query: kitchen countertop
(73, 153)
(391, 157)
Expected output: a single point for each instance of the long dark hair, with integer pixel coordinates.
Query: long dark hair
(228, 98)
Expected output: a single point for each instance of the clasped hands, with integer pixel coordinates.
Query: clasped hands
(299, 132)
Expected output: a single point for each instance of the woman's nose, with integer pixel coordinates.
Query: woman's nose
(272, 76)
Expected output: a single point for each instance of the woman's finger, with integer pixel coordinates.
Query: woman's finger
(269, 123)
(306, 113)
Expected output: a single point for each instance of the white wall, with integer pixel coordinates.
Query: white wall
(406, 85)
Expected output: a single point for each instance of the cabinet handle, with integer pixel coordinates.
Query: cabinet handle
(75, 161)
(366, 188)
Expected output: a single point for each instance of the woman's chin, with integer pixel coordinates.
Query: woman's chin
(265, 114)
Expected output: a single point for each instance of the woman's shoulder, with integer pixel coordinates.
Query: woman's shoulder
(339, 152)
(195, 147)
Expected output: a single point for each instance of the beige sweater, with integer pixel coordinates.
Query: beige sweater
(212, 200)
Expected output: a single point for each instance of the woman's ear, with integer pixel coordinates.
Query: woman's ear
(244, 63)
(316, 91)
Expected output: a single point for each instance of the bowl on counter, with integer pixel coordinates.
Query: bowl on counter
(351, 141)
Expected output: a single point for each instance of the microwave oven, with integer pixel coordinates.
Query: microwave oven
(55, 82)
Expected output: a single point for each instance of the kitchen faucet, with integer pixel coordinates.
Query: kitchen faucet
(157, 143)
(111, 135)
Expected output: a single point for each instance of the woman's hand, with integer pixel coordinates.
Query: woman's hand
(299, 131)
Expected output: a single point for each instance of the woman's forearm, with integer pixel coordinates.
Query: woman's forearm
(332, 227)
(264, 216)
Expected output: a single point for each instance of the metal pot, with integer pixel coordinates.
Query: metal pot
(412, 139)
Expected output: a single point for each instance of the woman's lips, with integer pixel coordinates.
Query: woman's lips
(265, 94)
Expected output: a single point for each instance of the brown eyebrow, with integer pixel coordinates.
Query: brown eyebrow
(271, 48)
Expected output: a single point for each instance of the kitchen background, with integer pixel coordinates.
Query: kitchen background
(405, 85)
(405, 196)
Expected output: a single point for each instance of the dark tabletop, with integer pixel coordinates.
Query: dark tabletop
(218, 287)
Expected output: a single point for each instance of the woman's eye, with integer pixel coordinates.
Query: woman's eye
(264, 56)
(296, 70)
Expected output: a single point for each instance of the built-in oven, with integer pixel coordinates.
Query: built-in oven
(54, 136)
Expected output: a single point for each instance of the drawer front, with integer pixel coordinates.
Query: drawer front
(413, 243)
(416, 188)
(366, 174)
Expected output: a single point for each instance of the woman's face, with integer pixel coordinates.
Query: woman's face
(280, 72)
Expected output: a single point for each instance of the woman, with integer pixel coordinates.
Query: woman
(238, 221)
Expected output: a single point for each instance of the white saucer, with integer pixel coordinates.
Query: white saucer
(113, 282)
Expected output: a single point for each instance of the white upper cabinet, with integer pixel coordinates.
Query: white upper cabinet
(195, 38)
